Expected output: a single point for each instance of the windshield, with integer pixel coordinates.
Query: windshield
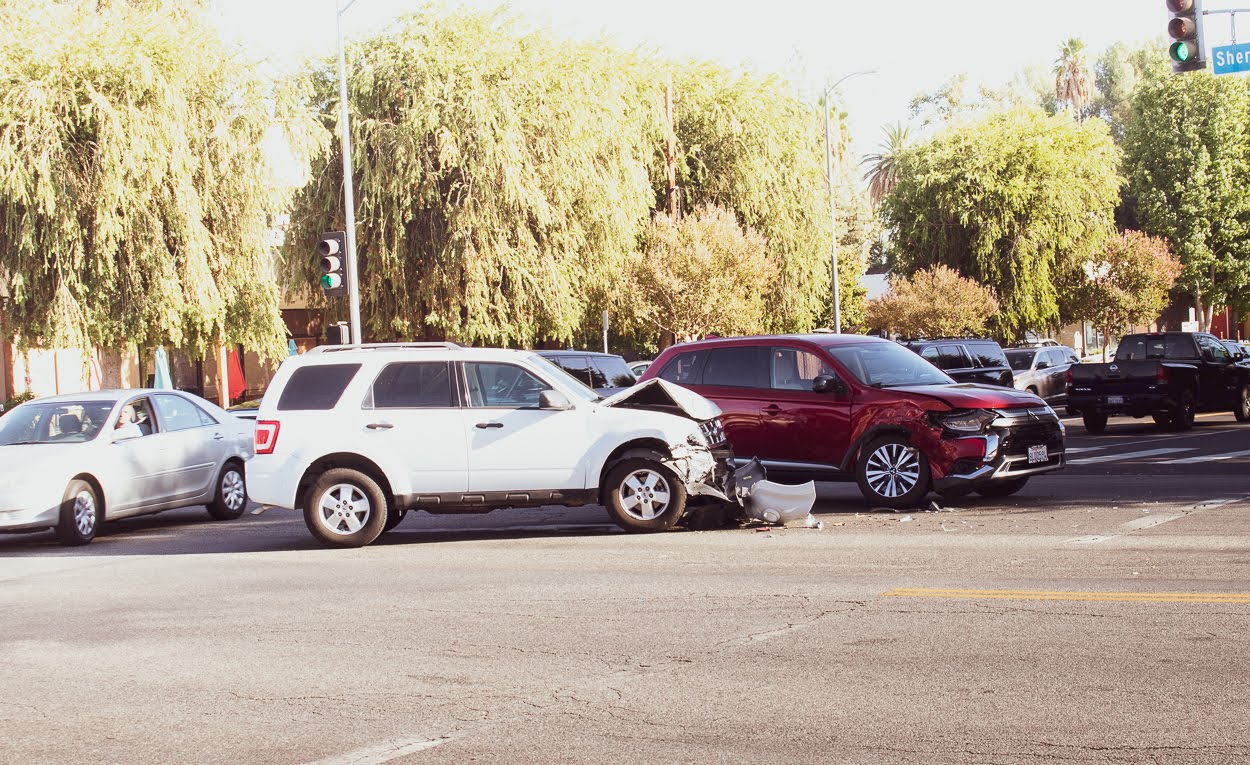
(65, 422)
(575, 385)
(887, 365)
(1020, 361)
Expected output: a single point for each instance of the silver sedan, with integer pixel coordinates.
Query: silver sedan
(70, 462)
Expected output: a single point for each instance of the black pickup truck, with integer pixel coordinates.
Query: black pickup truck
(1167, 375)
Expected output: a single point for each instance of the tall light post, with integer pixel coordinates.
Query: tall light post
(349, 198)
(833, 207)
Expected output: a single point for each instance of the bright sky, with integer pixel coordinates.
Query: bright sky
(915, 45)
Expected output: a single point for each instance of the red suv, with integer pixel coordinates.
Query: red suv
(850, 407)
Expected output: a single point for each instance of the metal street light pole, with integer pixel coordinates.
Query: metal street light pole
(833, 208)
(349, 198)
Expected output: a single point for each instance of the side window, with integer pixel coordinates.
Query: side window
(793, 369)
(316, 387)
(614, 370)
(1180, 347)
(502, 385)
(578, 366)
(137, 415)
(930, 355)
(988, 354)
(177, 413)
(953, 357)
(685, 369)
(743, 367)
(407, 385)
(1218, 352)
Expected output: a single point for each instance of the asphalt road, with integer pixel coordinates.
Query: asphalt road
(1099, 616)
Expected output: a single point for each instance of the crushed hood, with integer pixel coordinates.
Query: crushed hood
(662, 395)
(975, 395)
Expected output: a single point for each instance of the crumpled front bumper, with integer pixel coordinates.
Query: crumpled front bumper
(711, 473)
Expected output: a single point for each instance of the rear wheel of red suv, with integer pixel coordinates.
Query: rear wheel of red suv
(892, 473)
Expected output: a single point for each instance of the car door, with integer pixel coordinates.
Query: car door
(1217, 372)
(411, 419)
(144, 462)
(735, 378)
(513, 444)
(955, 361)
(790, 407)
(196, 443)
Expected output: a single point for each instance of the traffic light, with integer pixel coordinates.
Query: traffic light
(1185, 29)
(333, 251)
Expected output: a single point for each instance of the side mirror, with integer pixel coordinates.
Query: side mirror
(1043, 365)
(127, 433)
(828, 384)
(554, 400)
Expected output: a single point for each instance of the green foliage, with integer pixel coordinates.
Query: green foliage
(17, 398)
(934, 302)
(1118, 72)
(703, 273)
(1128, 285)
(1018, 200)
(1072, 81)
(1187, 154)
(134, 190)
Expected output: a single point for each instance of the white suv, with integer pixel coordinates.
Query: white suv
(355, 436)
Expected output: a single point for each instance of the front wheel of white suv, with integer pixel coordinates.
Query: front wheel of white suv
(644, 495)
(345, 508)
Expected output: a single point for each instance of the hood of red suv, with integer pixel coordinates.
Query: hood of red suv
(974, 396)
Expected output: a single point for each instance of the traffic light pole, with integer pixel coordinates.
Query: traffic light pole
(349, 198)
(833, 207)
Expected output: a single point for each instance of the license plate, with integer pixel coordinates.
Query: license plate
(1038, 454)
(1115, 399)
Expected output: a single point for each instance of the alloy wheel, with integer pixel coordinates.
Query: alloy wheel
(84, 513)
(893, 470)
(233, 492)
(644, 494)
(343, 509)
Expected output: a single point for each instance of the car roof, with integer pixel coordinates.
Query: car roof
(826, 339)
(332, 354)
(109, 395)
(570, 352)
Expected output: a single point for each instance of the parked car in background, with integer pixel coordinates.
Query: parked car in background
(74, 461)
(606, 373)
(638, 367)
(1239, 351)
(836, 407)
(966, 360)
(1168, 376)
(356, 436)
(1042, 370)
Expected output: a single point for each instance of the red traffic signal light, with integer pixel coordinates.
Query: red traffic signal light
(333, 268)
(1185, 29)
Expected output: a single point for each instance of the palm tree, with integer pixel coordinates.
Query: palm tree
(1072, 77)
(883, 167)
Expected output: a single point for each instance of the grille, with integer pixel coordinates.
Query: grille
(1018, 438)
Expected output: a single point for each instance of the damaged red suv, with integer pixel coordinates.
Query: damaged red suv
(865, 409)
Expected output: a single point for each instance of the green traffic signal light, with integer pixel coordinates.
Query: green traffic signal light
(330, 281)
(1181, 51)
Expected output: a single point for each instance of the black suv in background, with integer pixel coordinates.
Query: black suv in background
(605, 372)
(966, 359)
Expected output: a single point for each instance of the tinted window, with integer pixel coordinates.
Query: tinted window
(987, 354)
(737, 367)
(614, 371)
(1021, 361)
(413, 384)
(1138, 347)
(793, 369)
(316, 387)
(177, 413)
(930, 355)
(686, 369)
(953, 357)
(502, 385)
(1214, 349)
(1180, 347)
(884, 365)
(579, 367)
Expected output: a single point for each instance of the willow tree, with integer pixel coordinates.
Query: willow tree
(501, 178)
(749, 144)
(1018, 201)
(135, 194)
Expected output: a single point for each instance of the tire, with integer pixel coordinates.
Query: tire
(1183, 414)
(393, 518)
(231, 499)
(1003, 488)
(345, 508)
(80, 514)
(1242, 410)
(643, 495)
(892, 473)
(1095, 424)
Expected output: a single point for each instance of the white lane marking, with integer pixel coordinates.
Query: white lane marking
(378, 753)
(1089, 540)
(1111, 444)
(1081, 449)
(1207, 458)
(1129, 455)
(1218, 502)
(1150, 521)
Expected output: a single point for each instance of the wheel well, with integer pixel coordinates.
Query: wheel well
(1032, 389)
(622, 451)
(97, 488)
(341, 460)
(852, 454)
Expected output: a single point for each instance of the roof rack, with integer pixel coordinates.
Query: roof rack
(383, 347)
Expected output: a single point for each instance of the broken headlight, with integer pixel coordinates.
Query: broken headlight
(964, 420)
(713, 432)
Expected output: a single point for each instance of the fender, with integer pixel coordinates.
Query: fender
(848, 461)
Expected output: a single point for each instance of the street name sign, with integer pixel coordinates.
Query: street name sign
(1231, 58)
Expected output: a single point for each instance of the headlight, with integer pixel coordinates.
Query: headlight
(965, 420)
(713, 432)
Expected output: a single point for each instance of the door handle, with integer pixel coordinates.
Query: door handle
(379, 426)
(771, 409)
(217, 436)
(485, 425)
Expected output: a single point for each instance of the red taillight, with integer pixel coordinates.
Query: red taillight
(1161, 376)
(1068, 377)
(266, 436)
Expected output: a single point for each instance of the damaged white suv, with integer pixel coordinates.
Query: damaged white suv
(356, 436)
